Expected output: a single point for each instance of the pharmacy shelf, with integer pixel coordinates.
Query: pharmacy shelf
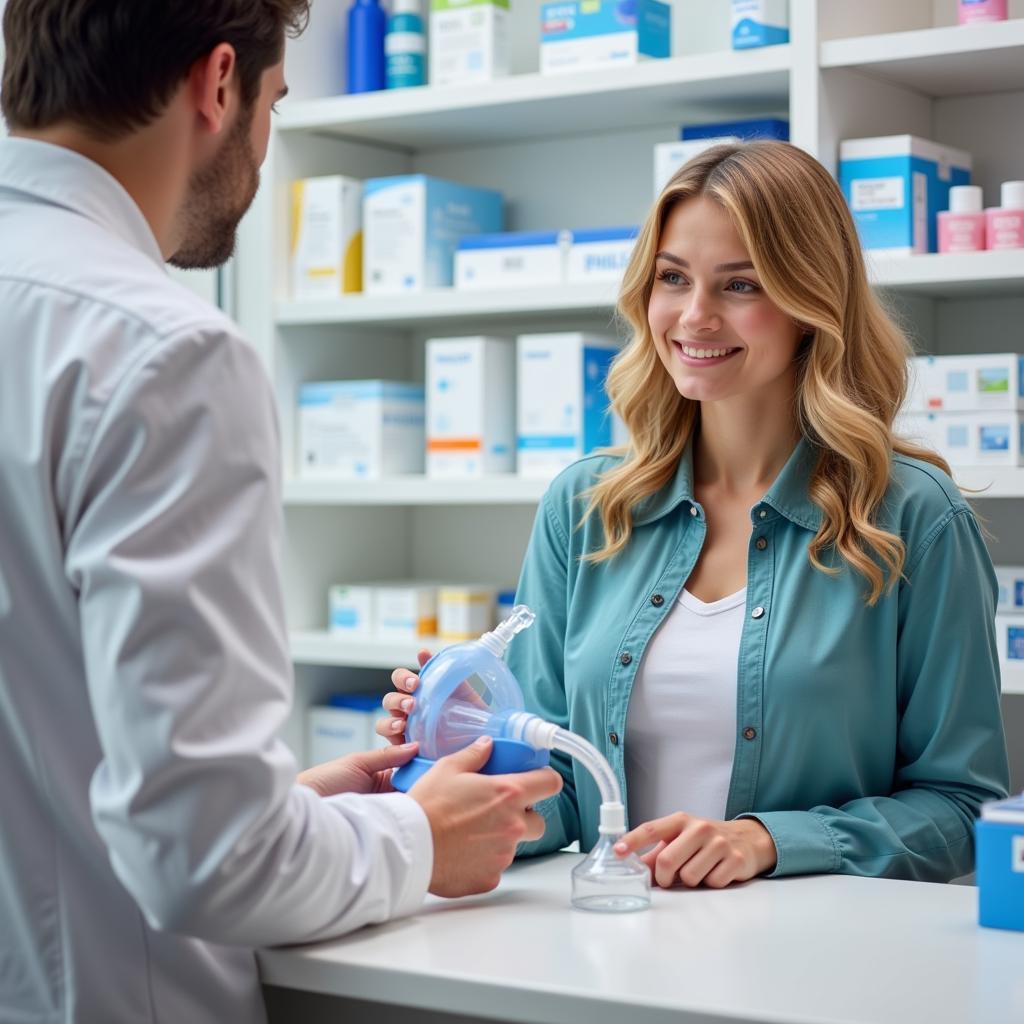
(948, 275)
(991, 482)
(416, 490)
(318, 647)
(446, 305)
(961, 60)
(540, 106)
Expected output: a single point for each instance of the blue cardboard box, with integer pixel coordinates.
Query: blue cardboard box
(896, 185)
(580, 35)
(752, 128)
(999, 853)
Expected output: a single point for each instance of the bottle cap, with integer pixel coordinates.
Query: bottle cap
(965, 199)
(1011, 195)
(405, 7)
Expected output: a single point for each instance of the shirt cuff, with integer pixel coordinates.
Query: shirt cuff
(804, 844)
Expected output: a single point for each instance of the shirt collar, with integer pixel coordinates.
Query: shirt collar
(58, 176)
(789, 495)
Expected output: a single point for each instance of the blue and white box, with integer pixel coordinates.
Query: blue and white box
(1011, 589)
(360, 429)
(511, 259)
(895, 186)
(1010, 640)
(969, 438)
(746, 130)
(967, 383)
(759, 23)
(600, 254)
(350, 611)
(670, 156)
(579, 35)
(412, 225)
(346, 725)
(999, 856)
(562, 405)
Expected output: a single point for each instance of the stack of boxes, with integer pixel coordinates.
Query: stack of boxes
(1010, 617)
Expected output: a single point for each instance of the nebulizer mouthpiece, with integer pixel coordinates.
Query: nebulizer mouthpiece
(467, 691)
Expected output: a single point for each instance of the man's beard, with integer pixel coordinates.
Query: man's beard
(218, 197)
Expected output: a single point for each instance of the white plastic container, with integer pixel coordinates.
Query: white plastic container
(962, 226)
(563, 409)
(354, 430)
(350, 611)
(471, 407)
(326, 237)
(464, 612)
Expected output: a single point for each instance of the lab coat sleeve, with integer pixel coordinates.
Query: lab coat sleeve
(537, 661)
(951, 752)
(172, 542)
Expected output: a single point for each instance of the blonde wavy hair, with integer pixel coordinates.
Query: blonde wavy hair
(851, 369)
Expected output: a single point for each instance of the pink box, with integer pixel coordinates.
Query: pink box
(972, 11)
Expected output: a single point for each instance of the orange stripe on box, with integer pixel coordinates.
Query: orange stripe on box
(454, 444)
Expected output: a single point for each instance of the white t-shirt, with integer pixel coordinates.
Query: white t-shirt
(681, 725)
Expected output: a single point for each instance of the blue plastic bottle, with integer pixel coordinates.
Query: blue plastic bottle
(364, 68)
(405, 46)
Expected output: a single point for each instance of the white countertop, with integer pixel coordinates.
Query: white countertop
(827, 949)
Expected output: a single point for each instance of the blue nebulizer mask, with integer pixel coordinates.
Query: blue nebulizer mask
(467, 691)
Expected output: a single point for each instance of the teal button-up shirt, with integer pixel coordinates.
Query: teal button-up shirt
(866, 737)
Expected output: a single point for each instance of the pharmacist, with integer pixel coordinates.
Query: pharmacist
(154, 829)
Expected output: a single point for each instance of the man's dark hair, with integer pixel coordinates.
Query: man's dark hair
(111, 66)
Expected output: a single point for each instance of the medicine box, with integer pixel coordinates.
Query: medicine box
(999, 853)
(670, 156)
(468, 41)
(746, 130)
(969, 438)
(346, 725)
(326, 237)
(350, 610)
(895, 187)
(1011, 589)
(471, 407)
(465, 612)
(580, 35)
(405, 612)
(600, 254)
(759, 23)
(563, 409)
(511, 259)
(413, 225)
(1010, 638)
(967, 383)
(360, 429)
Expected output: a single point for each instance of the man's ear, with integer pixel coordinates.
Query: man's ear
(213, 85)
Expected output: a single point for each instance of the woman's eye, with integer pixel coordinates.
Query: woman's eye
(671, 277)
(742, 287)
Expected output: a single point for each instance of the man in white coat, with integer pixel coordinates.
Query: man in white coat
(154, 830)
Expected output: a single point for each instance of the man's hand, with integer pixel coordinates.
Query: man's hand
(369, 772)
(698, 851)
(478, 820)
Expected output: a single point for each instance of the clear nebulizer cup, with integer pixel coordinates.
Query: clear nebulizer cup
(467, 691)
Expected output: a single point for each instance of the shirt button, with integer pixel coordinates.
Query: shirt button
(763, 513)
(693, 510)
(761, 544)
(613, 738)
(626, 658)
(749, 734)
(657, 600)
(757, 613)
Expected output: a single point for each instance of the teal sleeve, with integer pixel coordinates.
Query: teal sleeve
(951, 752)
(537, 661)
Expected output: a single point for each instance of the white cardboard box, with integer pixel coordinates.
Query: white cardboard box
(967, 383)
(969, 438)
(350, 610)
(326, 237)
(468, 41)
(405, 612)
(345, 726)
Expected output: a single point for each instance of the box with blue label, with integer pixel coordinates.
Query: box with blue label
(969, 438)
(746, 130)
(580, 35)
(1010, 637)
(670, 156)
(511, 259)
(345, 725)
(562, 405)
(999, 855)
(759, 23)
(600, 254)
(412, 226)
(1011, 588)
(360, 429)
(895, 187)
(967, 383)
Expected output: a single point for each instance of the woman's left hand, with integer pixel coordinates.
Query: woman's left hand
(365, 773)
(698, 851)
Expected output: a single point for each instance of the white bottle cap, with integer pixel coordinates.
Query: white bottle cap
(405, 7)
(965, 199)
(1011, 195)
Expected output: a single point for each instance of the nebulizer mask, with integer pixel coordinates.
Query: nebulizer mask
(467, 691)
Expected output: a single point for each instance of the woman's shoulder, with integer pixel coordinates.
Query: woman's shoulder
(574, 481)
(921, 498)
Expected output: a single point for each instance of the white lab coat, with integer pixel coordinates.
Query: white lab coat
(152, 832)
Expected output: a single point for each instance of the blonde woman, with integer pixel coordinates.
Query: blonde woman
(773, 615)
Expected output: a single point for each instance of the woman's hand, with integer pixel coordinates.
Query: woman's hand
(369, 772)
(399, 703)
(698, 851)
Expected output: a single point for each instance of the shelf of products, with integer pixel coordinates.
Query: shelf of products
(959, 60)
(415, 491)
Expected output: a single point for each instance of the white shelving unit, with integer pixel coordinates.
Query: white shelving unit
(576, 151)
